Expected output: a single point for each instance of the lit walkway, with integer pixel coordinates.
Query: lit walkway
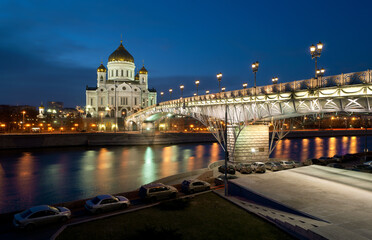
(342, 198)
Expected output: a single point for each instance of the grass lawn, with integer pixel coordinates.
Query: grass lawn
(206, 216)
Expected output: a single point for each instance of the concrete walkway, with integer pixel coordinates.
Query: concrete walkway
(342, 198)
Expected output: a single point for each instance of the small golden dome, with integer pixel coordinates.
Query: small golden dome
(101, 68)
(136, 77)
(121, 54)
(143, 70)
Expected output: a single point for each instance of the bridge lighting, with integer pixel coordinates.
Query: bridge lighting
(207, 92)
(245, 85)
(255, 69)
(223, 89)
(195, 94)
(197, 86)
(315, 52)
(161, 96)
(275, 80)
(219, 78)
(182, 87)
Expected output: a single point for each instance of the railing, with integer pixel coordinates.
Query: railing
(364, 77)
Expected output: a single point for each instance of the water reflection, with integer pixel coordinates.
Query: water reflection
(302, 149)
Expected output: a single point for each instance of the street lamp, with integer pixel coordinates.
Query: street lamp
(219, 78)
(182, 87)
(207, 92)
(197, 86)
(161, 96)
(319, 74)
(255, 69)
(315, 52)
(223, 89)
(275, 80)
(170, 93)
(23, 119)
(245, 85)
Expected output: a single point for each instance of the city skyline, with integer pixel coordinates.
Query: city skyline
(50, 51)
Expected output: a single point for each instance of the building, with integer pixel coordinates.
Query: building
(130, 95)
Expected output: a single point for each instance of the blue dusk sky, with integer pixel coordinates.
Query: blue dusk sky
(50, 50)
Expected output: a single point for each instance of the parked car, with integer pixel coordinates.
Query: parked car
(244, 168)
(362, 168)
(157, 191)
(192, 186)
(258, 167)
(273, 166)
(106, 202)
(350, 157)
(335, 165)
(230, 169)
(287, 164)
(221, 179)
(369, 163)
(337, 158)
(41, 215)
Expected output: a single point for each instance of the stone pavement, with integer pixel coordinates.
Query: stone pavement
(341, 198)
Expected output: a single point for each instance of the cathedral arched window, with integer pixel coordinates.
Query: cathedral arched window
(112, 73)
(117, 73)
(127, 73)
(101, 78)
(122, 73)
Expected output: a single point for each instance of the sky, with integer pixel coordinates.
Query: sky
(50, 50)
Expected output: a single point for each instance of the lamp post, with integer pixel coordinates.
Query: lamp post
(23, 119)
(207, 92)
(182, 87)
(315, 52)
(219, 78)
(197, 86)
(101, 114)
(245, 85)
(116, 108)
(255, 69)
(275, 80)
(319, 73)
(161, 96)
(170, 93)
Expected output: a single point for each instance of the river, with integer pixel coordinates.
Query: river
(47, 176)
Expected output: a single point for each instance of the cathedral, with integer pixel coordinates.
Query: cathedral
(131, 93)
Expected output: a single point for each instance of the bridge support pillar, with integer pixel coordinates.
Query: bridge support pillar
(252, 144)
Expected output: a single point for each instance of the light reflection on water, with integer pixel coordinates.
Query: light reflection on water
(58, 175)
(301, 149)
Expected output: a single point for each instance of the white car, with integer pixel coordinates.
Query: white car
(106, 203)
(40, 215)
(287, 164)
(369, 163)
(258, 167)
(193, 186)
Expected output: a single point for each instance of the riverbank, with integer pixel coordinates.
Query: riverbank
(41, 140)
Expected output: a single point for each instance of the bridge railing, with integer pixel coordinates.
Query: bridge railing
(364, 77)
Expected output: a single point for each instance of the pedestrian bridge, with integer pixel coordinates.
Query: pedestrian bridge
(348, 93)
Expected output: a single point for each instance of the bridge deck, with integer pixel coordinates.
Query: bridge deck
(340, 197)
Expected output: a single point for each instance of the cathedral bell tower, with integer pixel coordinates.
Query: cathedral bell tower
(101, 75)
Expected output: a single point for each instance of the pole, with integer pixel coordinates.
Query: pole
(226, 152)
(255, 88)
(365, 140)
(197, 86)
(116, 119)
(316, 66)
(219, 85)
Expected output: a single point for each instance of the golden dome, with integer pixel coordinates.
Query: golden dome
(121, 54)
(101, 68)
(136, 77)
(143, 70)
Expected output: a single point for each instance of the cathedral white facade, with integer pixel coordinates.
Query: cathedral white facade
(131, 94)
